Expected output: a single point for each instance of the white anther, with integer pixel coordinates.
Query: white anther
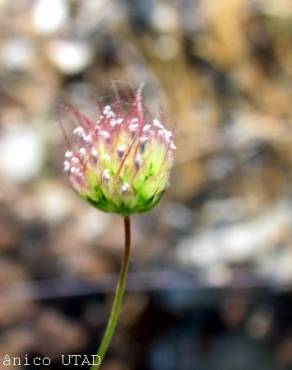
(138, 161)
(79, 131)
(75, 160)
(168, 135)
(87, 139)
(146, 128)
(161, 133)
(113, 122)
(143, 139)
(110, 114)
(104, 134)
(172, 146)
(107, 109)
(106, 175)
(133, 127)
(157, 124)
(66, 166)
(82, 152)
(94, 153)
(68, 154)
(121, 150)
(125, 187)
(134, 120)
(73, 170)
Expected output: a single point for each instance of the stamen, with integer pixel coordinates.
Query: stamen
(168, 135)
(82, 152)
(146, 128)
(75, 161)
(125, 187)
(157, 124)
(106, 175)
(105, 135)
(121, 150)
(79, 131)
(94, 153)
(161, 133)
(66, 166)
(133, 127)
(107, 109)
(138, 162)
(68, 154)
(87, 139)
(108, 112)
(113, 122)
(172, 146)
(143, 141)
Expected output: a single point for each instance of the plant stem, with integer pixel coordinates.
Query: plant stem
(118, 299)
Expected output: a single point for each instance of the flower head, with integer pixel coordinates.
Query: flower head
(121, 162)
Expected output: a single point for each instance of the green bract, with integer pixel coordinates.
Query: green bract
(120, 163)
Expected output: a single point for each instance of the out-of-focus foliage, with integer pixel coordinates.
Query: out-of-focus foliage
(223, 72)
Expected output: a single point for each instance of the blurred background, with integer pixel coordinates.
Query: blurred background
(211, 273)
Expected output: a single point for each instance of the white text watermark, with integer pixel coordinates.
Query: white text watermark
(66, 360)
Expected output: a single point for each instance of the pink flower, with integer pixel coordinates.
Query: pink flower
(121, 162)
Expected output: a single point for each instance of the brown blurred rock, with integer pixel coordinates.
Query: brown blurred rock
(56, 335)
(16, 342)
